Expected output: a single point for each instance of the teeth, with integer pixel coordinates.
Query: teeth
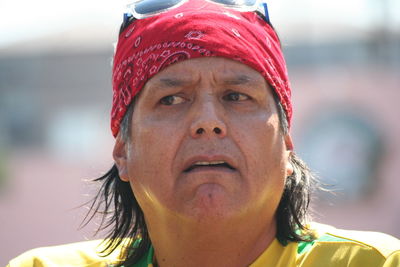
(205, 163)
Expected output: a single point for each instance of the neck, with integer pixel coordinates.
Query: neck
(230, 243)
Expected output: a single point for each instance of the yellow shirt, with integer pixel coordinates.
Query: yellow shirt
(332, 248)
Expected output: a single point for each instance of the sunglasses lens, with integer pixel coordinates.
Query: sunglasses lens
(237, 3)
(153, 6)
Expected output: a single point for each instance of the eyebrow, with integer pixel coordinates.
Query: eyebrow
(172, 82)
(177, 82)
(238, 80)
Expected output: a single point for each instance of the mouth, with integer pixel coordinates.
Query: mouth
(198, 165)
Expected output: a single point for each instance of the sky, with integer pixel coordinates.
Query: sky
(25, 19)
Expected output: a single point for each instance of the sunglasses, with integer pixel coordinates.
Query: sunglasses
(141, 9)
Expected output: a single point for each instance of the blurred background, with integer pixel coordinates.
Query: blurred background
(55, 95)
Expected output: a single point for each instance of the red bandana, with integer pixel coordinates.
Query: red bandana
(195, 29)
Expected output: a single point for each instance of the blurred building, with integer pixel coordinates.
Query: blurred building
(55, 96)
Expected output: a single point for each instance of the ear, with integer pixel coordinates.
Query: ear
(120, 156)
(288, 153)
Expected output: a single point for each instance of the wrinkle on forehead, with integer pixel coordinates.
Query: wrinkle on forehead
(168, 82)
(222, 71)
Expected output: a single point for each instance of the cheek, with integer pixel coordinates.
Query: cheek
(259, 137)
(152, 140)
(145, 159)
(262, 144)
(152, 153)
(147, 168)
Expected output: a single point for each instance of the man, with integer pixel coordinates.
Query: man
(205, 173)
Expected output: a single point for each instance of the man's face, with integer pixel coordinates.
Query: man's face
(206, 143)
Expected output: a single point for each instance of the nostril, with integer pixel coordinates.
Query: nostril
(217, 130)
(200, 131)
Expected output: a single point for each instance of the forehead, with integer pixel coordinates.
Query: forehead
(220, 69)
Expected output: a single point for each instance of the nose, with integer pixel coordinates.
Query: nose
(208, 121)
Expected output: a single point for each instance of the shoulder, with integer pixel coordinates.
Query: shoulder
(86, 253)
(382, 243)
(351, 248)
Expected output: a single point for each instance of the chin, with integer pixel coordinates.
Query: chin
(211, 202)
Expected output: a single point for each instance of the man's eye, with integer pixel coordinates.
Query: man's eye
(236, 97)
(171, 100)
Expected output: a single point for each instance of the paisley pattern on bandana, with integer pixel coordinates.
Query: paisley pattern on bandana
(195, 29)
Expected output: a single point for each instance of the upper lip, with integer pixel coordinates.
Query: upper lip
(203, 159)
